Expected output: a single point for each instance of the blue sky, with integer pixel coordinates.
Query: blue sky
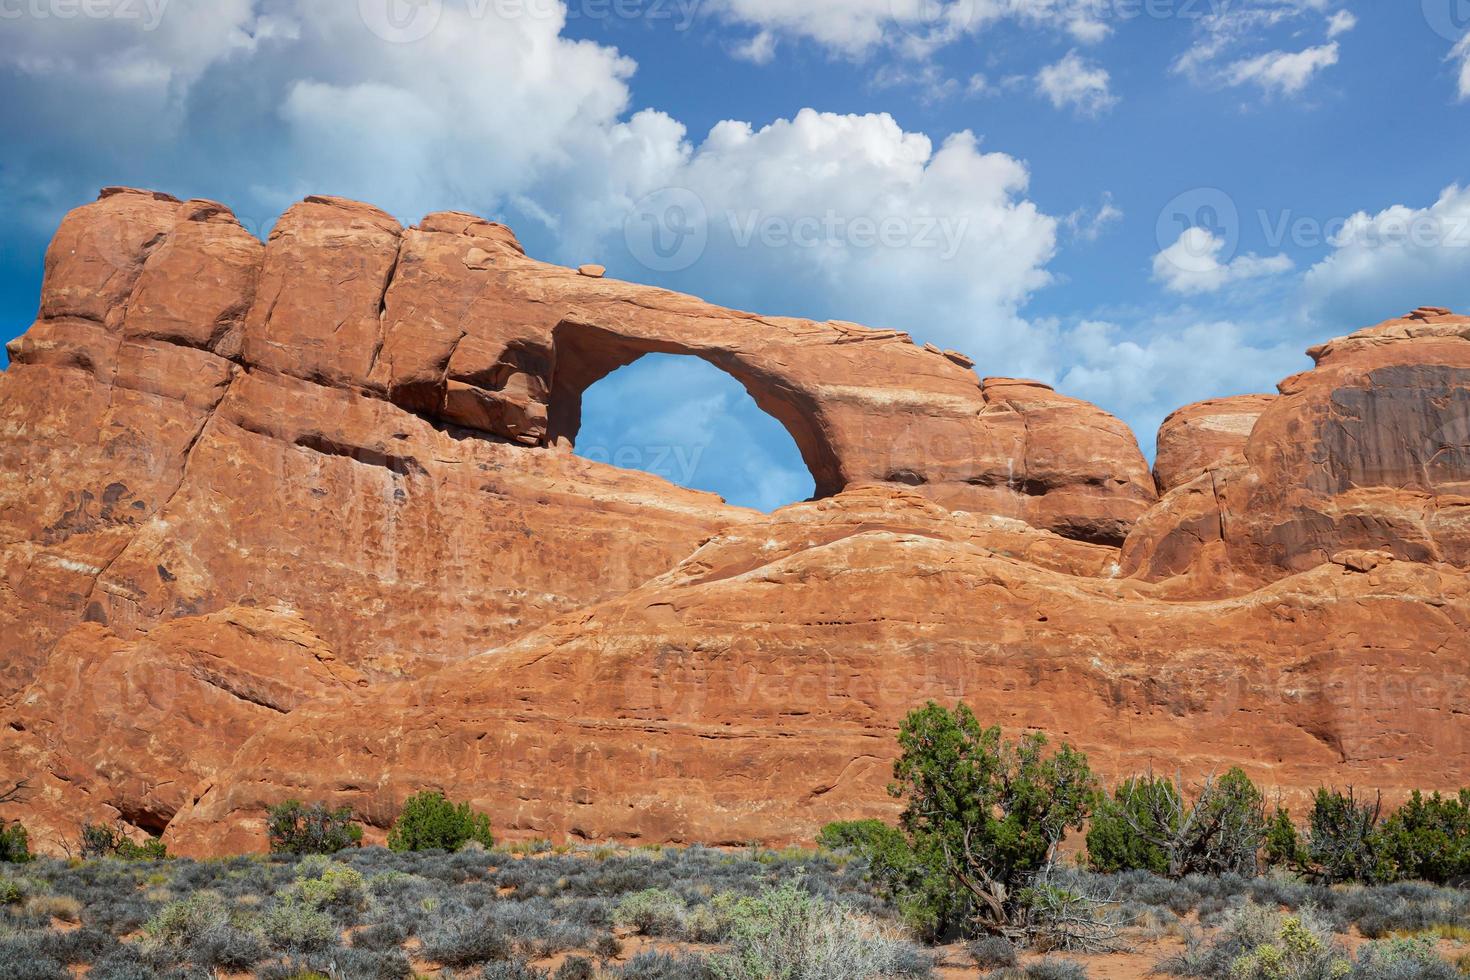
(1145, 202)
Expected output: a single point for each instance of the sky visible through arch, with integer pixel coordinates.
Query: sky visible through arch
(687, 421)
(1144, 202)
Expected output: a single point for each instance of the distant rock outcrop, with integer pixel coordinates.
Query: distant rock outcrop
(1368, 451)
(300, 519)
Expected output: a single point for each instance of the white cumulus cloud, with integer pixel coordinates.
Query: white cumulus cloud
(823, 214)
(1341, 22)
(1222, 53)
(1088, 224)
(856, 28)
(1281, 72)
(852, 217)
(1193, 264)
(1078, 84)
(1461, 53)
(1402, 257)
(1145, 374)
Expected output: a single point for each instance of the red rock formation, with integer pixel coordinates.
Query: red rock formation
(151, 470)
(373, 384)
(1369, 451)
(754, 691)
(299, 519)
(127, 728)
(1076, 469)
(1205, 436)
(1181, 540)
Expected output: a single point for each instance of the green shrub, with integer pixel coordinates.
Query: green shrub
(325, 884)
(296, 828)
(1151, 825)
(1300, 950)
(1428, 838)
(429, 821)
(1113, 843)
(710, 923)
(1283, 847)
(299, 921)
(892, 867)
(1402, 959)
(152, 849)
(102, 841)
(14, 891)
(15, 844)
(295, 925)
(1257, 943)
(98, 840)
(983, 814)
(788, 933)
(653, 912)
(178, 925)
(857, 836)
(1344, 843)
(1229, 828)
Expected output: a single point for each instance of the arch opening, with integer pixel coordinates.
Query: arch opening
(685, 420)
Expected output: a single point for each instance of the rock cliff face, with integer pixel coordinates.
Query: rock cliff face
(1371, 450)
(301, 519)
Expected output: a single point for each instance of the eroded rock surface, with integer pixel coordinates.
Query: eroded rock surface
(300, 519)
(154, 469)
(754, 691)
(1368, 451)
(1205, 436)
(113, 728)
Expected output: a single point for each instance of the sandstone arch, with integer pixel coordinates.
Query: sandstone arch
(585, 353)
(474, 333)
(298, 501)
(413, 370)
